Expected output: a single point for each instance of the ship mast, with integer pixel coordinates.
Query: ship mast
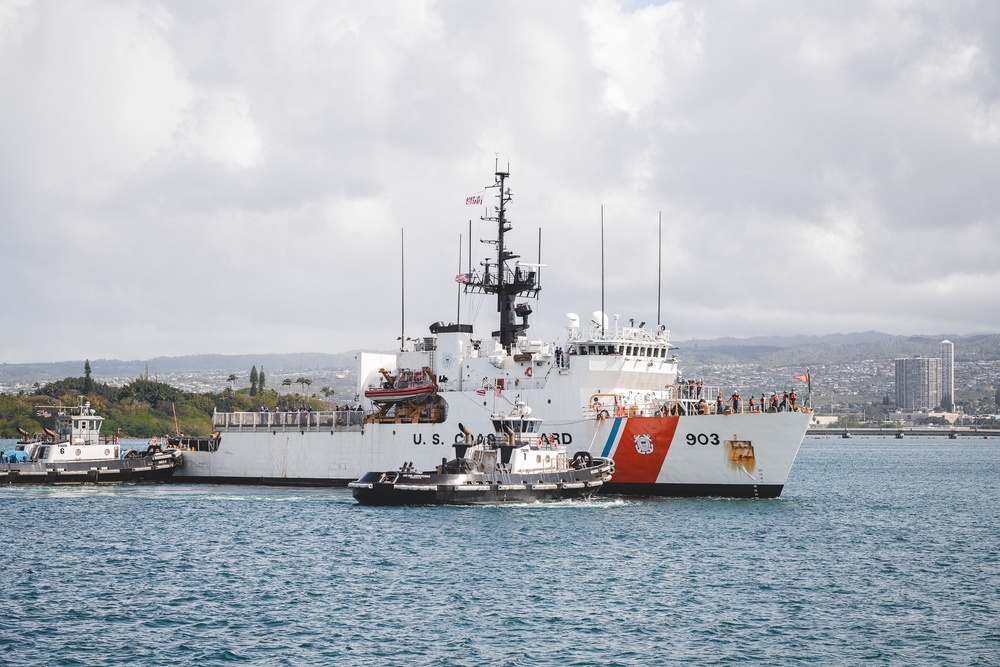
(503, 279)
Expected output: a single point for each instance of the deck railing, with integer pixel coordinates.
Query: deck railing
(326, 420)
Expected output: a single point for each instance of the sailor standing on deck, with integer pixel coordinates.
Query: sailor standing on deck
(720, 405)
(735, 398)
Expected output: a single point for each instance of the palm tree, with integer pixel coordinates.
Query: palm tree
(287, 382)
(232, 380)
(305, 382)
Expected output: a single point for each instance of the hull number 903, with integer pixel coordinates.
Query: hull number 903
(703, 439)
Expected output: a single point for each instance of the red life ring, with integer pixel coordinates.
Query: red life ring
(527, 372)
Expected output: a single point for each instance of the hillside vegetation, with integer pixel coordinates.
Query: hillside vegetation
(143, 408)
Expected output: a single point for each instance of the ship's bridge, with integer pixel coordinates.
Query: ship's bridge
(83, 428)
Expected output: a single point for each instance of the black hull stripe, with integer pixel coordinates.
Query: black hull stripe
(609, 488)
(104, 477)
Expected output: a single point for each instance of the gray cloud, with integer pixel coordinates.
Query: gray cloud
(185, 178)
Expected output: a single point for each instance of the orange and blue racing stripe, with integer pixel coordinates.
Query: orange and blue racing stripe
(639, 446)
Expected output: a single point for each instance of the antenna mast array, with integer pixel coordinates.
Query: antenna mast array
(505, 279)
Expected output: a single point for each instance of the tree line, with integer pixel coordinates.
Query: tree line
(144, 407)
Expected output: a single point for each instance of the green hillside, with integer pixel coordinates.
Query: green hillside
(143, 408)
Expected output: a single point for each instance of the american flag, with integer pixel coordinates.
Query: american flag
(463, 278)
(43, 413)
(475, 199)
(496, 392)
(481, 392)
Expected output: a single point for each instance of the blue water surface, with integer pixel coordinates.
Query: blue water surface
(879, 551)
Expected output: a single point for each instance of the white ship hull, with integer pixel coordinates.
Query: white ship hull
(739, 455)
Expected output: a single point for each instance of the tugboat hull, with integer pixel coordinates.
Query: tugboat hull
(156, 468)
(422, 488)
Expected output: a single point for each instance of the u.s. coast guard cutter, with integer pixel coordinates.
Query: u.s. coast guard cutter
(609, 390)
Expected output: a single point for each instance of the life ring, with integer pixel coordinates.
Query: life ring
(527, 372)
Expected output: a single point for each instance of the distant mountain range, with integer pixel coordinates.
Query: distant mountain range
(103, 369)
(798, 341)
(832, 349)
(774, 351)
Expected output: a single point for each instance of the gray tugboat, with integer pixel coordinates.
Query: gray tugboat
(75, 453)
(516, 463)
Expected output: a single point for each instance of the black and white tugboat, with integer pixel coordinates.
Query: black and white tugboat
(517, 463)
(75, 453)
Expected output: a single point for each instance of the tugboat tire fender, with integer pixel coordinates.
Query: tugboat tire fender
(582, 460)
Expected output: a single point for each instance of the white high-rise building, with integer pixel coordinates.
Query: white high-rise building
(948, 374)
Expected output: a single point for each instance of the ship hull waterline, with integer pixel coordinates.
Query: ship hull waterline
(88, 472)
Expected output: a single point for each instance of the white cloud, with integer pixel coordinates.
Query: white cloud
(219, 127)
(94, 92)
(641, 52)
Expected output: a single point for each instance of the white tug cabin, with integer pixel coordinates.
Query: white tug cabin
(76, 437)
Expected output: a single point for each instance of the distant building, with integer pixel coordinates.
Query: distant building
(948, 374)
(918, 383)
(920, 415)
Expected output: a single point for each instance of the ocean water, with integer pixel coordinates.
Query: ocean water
(879, 551)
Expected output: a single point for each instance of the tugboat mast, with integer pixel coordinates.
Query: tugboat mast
(506, 282)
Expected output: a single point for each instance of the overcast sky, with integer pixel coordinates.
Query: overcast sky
(233, 177)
